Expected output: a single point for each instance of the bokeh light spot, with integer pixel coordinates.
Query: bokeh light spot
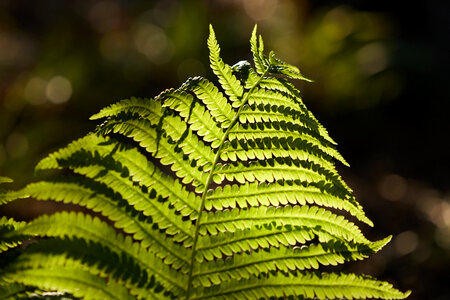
(435, 208)
(406, 242)
(393, 187)
(338, 23)
(153, 42)
(58, 90)
(445, 212)
(35, 91)
(442, 237)
(260, 9)
(372, 58)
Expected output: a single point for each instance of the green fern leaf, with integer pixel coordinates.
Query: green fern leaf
(312, 217)
(5, 179)
(213, 99)
(14, 291)
(129, 162)
(225, 244)
(203, 192)
(123, 217)
(78, 282)
(230, 84)
(277, 194)
(257, 49)
(110, 251)
(309, 286)
(145, 108)
(284, 86)
(284, 259)
(8, 225)
(194, 114)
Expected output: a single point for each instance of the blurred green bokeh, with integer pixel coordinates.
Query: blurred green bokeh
(380, 74)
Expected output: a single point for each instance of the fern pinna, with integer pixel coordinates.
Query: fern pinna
(200, 193)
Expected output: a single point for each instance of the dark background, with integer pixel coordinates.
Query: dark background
(381, 72)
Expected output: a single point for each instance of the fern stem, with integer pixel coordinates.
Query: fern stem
(208, 182)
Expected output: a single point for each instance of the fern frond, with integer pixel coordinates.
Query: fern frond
(277, 101)
(308, 285)
(269, 101)
(271, 64)
(13, 290)
(225, 244)
(293, 126)
(129, 162)
(3, 195)
(77, 282)
(277, 194)
(281, 169)
(282, 86)
(5, 179)
(203, 192)
(162, 215)
(311, 217)
(103, 261)
(110, 173)
(267, 171)
(257, 49)
(259, 149)
(199, 118)
(286, 87)
(230, 84)
(122, 217)
(145, 108)
(213, 99)
(92, 230)
(277, 66)
(285, 259)
(8, 225)
(149, 139)
(284, 150)
(173, 127)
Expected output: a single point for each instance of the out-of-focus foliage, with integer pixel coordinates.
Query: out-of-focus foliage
(381, 83)
(349, 54)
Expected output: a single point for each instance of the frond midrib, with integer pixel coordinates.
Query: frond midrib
(209, 180)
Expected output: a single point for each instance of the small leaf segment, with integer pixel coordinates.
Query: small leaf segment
(204, 192)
